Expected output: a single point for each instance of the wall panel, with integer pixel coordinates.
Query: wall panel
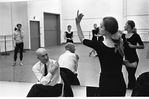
(138, 11)
(5, 26)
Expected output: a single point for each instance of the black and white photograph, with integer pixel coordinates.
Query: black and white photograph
(74, 48)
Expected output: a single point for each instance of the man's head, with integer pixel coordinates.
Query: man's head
(42, 55)
(70, 47)
(19, 26)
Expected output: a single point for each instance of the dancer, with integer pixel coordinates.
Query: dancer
(110, 53)
(95, 32)
(68, 34)
(132, 41)
(18, 37)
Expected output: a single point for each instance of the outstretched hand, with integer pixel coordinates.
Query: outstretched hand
(79, 17)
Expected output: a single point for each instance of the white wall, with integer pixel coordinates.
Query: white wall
(19, 15)
(12, 13)
(37, 8)
(93, 10)
(138, 11)
(22, 12)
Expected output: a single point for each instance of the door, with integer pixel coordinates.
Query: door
(51, 28)
(35, 34)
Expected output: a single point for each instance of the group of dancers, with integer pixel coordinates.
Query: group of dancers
(114, 51)
(113, 48)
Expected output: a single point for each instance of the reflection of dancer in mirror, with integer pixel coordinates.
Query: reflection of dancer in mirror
(97, 37)
(110, 53)
(132, 41)
(68, 62)
(95, 32)
(68, 34)
(19, 44)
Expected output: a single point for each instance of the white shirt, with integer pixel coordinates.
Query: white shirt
(69, 60)
(18, 36)
(49, 79)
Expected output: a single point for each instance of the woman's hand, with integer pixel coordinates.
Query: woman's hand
(79, 30)
(130, 45)
(128, 64)
(79, 17)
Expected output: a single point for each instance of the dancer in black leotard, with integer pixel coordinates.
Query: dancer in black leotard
(95, 32)
(110, 54)
(68, 35)
(132, 41)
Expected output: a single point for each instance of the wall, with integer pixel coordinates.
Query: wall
(37, 8)
(93, 10)
(5, 24)
(19, 15)
(23, 12)
(138, 11)
(12, 13)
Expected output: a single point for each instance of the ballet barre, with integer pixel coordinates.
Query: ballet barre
(5, 41)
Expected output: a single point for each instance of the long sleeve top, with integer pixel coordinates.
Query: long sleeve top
(69, 60)
(49, 79)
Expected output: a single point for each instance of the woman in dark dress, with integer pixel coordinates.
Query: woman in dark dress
(132, 41)
(68, 35)
(110, 54)
(95, 32)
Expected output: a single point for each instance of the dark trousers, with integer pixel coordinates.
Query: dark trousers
(72, 78)
(131, 77)
(67, 88)
(39, 90)
(18, 48)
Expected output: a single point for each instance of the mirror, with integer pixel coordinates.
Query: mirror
(12, 13)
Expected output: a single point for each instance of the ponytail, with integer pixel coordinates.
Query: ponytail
(117, 39)
(134, 30)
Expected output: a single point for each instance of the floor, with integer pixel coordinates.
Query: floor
(22, 88)
(88, 71)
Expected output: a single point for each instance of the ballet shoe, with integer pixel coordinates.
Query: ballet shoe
(21, 64)
(14, 64)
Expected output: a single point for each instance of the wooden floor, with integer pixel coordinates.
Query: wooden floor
(88, 71)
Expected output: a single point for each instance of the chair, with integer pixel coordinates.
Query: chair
(62, 94)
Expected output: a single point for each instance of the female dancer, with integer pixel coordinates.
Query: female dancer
(95, 32)
(110, 54)
(68, 35)
(132, 41)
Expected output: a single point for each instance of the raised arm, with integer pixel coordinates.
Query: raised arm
(79, 30)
